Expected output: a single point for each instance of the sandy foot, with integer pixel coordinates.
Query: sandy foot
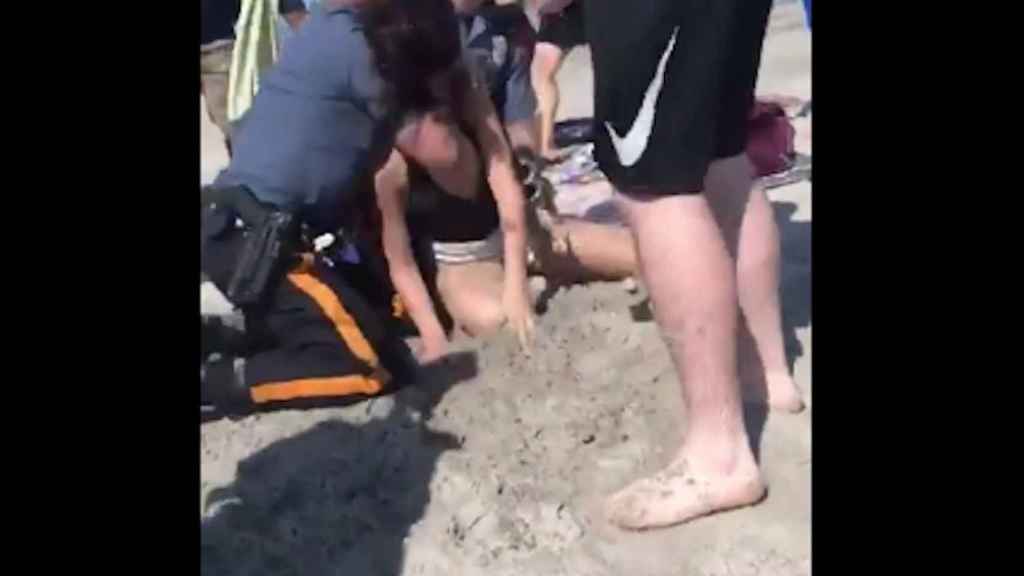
(677, 494)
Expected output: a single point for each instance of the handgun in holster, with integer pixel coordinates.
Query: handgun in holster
(272, 242)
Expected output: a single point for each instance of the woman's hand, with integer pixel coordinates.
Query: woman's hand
(431, 349)
(518, 314)
(391, 183)
(478, 111)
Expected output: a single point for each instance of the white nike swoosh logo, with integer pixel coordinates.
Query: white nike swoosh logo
(631, 146)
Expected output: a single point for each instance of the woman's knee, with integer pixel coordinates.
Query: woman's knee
(482, 320)
(472, 295)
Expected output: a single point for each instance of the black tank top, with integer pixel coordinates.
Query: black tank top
(446, 217)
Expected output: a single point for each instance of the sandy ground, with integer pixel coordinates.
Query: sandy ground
(495, 464)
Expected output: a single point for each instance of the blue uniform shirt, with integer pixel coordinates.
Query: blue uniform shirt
(318, 129)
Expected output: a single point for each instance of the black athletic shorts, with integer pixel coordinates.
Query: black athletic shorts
(673, 87)
(563, 29)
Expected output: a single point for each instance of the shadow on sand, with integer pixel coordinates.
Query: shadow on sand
(338, 498)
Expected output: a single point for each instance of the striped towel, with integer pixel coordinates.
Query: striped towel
(256, 49)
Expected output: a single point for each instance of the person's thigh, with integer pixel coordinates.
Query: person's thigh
(583, 250)
(684, 260)
(729, 188)
(472, 293)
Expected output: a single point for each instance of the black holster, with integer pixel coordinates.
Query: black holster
(272, 244)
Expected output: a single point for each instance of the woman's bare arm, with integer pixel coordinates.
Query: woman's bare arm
(392, 183)
(508, 193)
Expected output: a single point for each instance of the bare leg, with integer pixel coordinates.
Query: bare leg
(582, 250)
(472, 293)
(748, 224)
(690, 277)
(547, 58)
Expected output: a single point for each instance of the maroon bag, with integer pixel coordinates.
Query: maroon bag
(770, 139)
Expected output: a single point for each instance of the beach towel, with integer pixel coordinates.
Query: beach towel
(256, 49)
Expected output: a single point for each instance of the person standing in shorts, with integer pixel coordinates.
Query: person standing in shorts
(673, 85)
(561, 29)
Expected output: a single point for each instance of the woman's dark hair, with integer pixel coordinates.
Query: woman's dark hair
(411, 41)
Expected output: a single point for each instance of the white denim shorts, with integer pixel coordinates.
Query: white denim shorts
(490, 248)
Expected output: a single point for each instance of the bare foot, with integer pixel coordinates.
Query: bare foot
(777, 390)
(783, 393)
(678, 494)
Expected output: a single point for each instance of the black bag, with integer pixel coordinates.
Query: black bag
(574, 131)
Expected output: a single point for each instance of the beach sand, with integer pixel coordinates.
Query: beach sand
(496, 464)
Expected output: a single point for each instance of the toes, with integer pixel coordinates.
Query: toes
(667, 499)
(629, 507)
(648, 503)
(780, 392)
(786, 397)
(795, 405)
(626, 510)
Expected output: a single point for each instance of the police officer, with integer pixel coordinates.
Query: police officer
(303, 157)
